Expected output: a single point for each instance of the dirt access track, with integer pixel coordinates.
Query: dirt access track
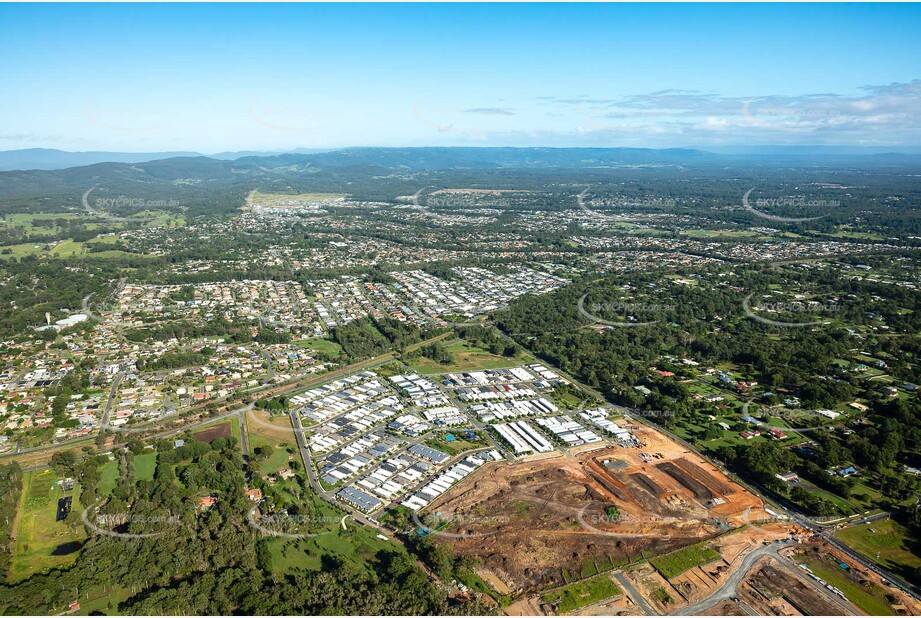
(543, 522)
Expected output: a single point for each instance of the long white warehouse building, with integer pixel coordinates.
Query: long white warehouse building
(523, 438)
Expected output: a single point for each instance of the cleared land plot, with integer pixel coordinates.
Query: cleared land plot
(288, 200)
(358, 546)
(773, 588)
(160, 218)
(221, 430)
(40, 224)
(458, 445)
(479, 191)
(724, 608)
(657, 590)
(547, 522)
(699, 490)
(108, 478)
(720, 233)
(66, 248)
(274, 428)
(324, 347)
(648, 484)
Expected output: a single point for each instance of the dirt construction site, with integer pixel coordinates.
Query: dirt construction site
(773, 588)
(544, 522)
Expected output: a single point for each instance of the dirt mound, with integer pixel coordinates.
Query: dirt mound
(648, 484)
(699, 490)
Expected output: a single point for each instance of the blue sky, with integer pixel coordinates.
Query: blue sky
(213, 77)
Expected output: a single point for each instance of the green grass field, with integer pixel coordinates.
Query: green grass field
(466, 358)
(870, 598)
(22, 250)
(566, 401)
(330, 349)
(456, 446)
(144, 466)
(358, 546)
(888, 539)
(851, 235)
(721, 233)
(30, 225)
(279, 457)
(580, 594)
(674, 564)
(37, 532)
(68, 248)
(845, 507)
(161, 218)
(65, 249)
(282, 200)
(108, 478)
(101, 600)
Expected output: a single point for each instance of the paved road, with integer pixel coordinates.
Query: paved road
(86, 308)
(745, 607)
(307, 460)
(295, 384)
(634, 594)
(271, 364)
(244, 439)
(110, 402)
(797, 517)
(805, 521)
(897, 581)
(728, 589)
(865, 520)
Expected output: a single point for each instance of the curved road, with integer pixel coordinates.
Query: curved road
(728, 589)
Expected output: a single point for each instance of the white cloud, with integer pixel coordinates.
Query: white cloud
(888, 114)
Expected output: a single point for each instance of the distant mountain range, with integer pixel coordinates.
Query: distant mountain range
(218, 185)
(51, 159)
(821, 151)
(459, 157)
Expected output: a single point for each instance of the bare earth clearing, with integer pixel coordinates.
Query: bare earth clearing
(542, 522)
